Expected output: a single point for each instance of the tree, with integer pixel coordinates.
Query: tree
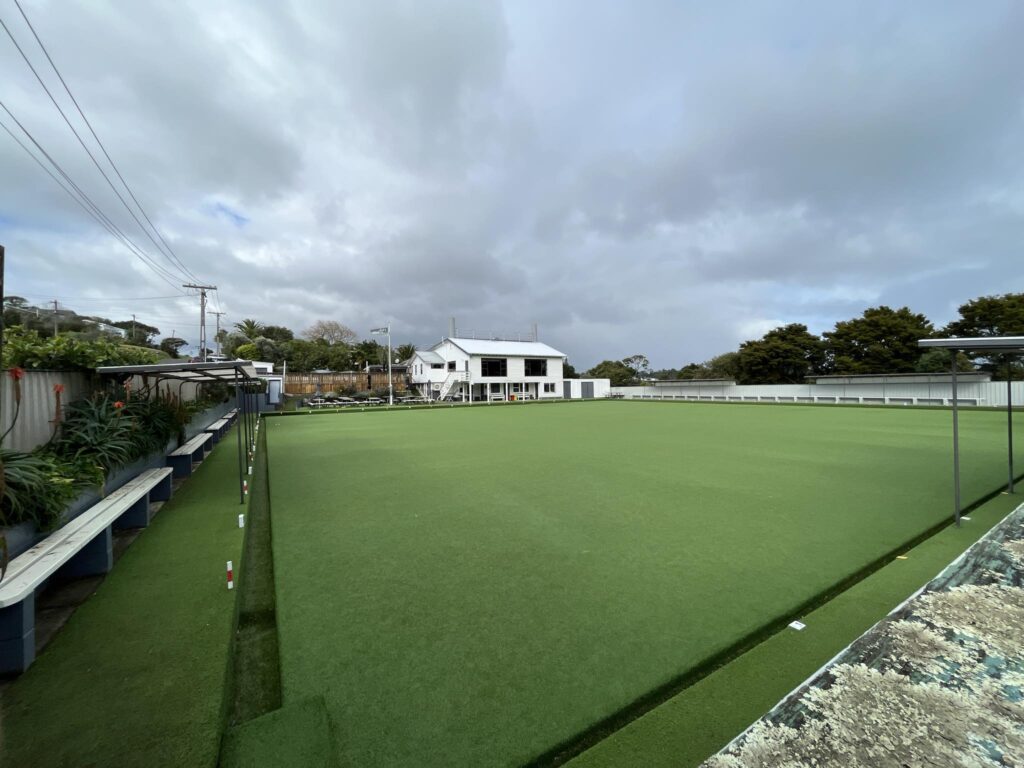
(785, 355)
(231, 342)
(882, 340)
(138, 333)
(249, 328)
(405, 351)
(937, 361)
(248, 352)
(569, 371)
(639, 363)
(990, 316)
(330, 331)
(278, 333)
(171, 345)
(369, 352)
(621, 375)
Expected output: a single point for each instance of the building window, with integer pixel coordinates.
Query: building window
(451, 365)
(437, 366)
(517, 387)
(493, 366)
(549, 386)
(536, 367)
(496, 389)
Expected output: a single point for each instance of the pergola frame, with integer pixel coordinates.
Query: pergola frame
(1008, 347)
(241, 374)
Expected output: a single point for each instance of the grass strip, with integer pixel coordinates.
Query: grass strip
(696, 723)
(136, 676)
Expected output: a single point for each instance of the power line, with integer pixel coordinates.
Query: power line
(93, 209)
(93, 298)
(173, 256)
(82, 142)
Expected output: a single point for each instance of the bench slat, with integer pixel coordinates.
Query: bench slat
(33, 566)
(192, 445)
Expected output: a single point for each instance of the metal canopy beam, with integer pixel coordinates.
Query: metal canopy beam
(1007, 346)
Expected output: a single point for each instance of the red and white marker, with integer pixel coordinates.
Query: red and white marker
(245, 487)
(231, 576)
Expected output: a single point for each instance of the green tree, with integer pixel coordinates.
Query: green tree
(937, 361)
(785, 355)
(640, 365)
(249, 328)
(231, 342)
(621, 375)
(990, 316)
(278, 333)
(369, 352)
(405, 351)
(248, 352)
(568, 371)
(882, 340)
(170, 345)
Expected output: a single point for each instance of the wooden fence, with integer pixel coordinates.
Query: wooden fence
(312, 383)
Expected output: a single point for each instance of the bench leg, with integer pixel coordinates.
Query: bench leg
(161, 491)
(94, 558)
(137, 516)
(182, 465)
(18, 636)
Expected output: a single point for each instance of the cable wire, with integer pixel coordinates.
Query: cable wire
(174, 256)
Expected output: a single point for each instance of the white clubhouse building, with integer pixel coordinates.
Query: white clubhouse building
(484, 369)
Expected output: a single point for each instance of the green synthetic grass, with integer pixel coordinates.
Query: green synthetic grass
(690, 727)
(479, 586)
(136, 676)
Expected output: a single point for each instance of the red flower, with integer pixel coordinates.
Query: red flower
(16, 373)
(119, 405)
(58, 388)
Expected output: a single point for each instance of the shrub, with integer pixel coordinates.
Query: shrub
(27, 349)
(38, 486)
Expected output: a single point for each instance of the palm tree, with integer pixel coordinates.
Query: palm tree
(249, 328)
(405, 351)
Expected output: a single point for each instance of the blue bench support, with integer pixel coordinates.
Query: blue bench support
(18, 635)
(195, 450)
(94, 559)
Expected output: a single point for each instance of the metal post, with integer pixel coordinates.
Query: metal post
(1009, 420)
(956, 446)
(238, 435)
(391, 381)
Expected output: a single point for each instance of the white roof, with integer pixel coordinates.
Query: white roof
(428, 357)
(507, 348)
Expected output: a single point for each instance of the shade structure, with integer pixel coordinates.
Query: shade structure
(1003, 346)
(241, 374)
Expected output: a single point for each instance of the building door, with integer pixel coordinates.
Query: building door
(588, 389)
(273, 391)
(567, 390)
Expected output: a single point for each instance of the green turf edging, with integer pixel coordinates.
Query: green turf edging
(699, 721)
(253, 681)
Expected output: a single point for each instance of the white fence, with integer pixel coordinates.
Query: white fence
(990, 393)
(38, 405)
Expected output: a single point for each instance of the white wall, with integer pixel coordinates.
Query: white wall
(38, 405)
(974, 393)
(602, 387)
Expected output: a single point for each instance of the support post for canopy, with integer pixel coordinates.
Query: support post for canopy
(956, 444)
(1009, 420)
(238, 439)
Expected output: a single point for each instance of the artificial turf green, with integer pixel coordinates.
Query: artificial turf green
(136, 676)
(479, 586)
(691, 726)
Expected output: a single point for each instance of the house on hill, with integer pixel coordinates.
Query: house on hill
(487, 369)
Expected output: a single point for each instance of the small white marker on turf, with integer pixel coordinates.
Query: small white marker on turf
(241, 521)
(231, 576)
(797, 625)
(966, 518)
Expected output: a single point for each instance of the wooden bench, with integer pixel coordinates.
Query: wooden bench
(218, 428)
(192, 452)
(83, 547)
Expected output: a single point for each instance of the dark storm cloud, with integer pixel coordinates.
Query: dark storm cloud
(659, 177)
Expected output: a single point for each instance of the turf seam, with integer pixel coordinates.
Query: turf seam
(594, 734)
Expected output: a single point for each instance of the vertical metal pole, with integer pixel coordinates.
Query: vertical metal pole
(956, 447)
(391, 381)
(238, 436)
(1009, 420)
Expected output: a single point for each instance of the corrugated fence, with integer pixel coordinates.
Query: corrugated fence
(35, 420)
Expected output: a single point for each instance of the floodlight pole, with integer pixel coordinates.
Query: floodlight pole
(956, 445)
(238, 440)
(391, 384)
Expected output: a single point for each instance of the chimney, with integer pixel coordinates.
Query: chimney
(451, 327)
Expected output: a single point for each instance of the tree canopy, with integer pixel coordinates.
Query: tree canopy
(330, 331)
(882, 340)
(785, 355)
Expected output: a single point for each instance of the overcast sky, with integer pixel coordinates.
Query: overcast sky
(664, 178)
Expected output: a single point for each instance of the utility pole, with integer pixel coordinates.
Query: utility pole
(217, 335)
(55, 318)
(133, 327)
(202, 315)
